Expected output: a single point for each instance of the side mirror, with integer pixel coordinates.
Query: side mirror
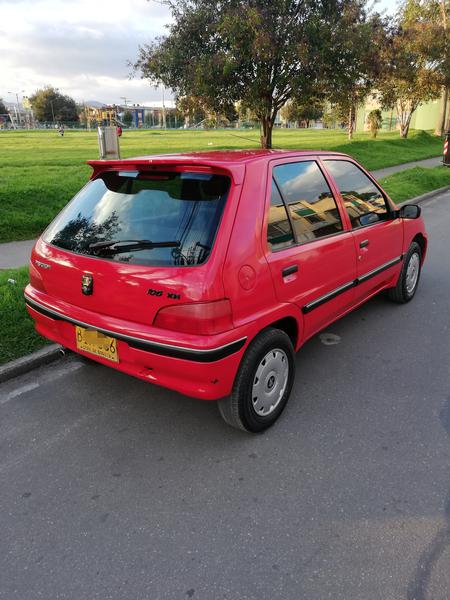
(409, 211)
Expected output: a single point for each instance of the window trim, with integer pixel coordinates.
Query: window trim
(279, 162)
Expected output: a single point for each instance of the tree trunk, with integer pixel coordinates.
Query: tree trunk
(350, 123)
(440, 126)
(266, 137)
(404, 129)
(405, 111)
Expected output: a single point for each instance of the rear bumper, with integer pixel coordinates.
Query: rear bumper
(203, 372)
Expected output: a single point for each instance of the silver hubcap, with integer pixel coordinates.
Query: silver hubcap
(270, 382)
(412, 273)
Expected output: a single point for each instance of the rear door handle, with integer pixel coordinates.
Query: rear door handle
(364, 244)
(289, 270)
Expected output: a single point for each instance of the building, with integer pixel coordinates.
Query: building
(425, 117)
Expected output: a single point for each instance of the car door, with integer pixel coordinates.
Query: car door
(377, 233)
(310, 250)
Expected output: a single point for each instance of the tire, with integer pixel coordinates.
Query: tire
(263, 383)
(409, 276)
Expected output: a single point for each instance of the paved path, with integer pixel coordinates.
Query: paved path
(111, 488)
(16, 254)
(428, 162)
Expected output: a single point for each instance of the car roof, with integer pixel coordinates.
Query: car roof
(218, 156)
(232, 160)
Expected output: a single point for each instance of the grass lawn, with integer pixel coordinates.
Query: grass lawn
(414, 182)
(18, 336)
(41, 171)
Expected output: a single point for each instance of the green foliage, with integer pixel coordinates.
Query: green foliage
(293, 111)
(257, 52)
(127, 118)
(48, 103)
(362, 45)
(411, 75)
(3, 110)
(427, 22)
(18, 335)
(375, 121)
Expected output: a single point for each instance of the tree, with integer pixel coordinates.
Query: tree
(254, 51)
(127, 118)
(191, 108)
(361, 43)
(298, 113)
(410, 77)
(3, 109)
(49, 105)
(375, 121)
(428, 22)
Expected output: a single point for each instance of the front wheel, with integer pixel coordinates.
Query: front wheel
(263, 383)
(409, 276)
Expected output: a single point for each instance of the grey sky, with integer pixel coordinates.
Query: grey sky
(80, 46)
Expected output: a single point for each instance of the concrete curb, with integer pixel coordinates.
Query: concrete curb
(427, 196)
(22, 365)
(51, 353)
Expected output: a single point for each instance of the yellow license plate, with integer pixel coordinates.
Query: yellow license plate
(94, 342)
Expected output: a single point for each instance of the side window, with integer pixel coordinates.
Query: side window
(279, 230)
(364, 202)
(311, 205)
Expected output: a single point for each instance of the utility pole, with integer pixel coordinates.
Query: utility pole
(125, 100)
(163, 109)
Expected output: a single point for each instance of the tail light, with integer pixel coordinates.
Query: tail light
(201, 318)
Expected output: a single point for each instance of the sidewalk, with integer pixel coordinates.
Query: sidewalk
(427, 162)
(17, 254)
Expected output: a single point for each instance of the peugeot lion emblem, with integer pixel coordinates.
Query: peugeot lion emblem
(87, 284)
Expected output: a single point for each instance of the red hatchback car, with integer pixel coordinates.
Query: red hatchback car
(205, 272)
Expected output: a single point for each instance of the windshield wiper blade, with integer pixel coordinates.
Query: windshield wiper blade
(114, 247)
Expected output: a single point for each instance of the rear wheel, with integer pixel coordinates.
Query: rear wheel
(409, 276)
(263, 383)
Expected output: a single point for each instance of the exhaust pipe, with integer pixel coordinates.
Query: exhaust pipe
(62, 351)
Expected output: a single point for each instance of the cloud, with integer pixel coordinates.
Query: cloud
(82, 47)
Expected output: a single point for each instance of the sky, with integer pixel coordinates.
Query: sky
(81, 47)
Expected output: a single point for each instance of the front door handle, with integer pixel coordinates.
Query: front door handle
(364, 244)
(289, 270)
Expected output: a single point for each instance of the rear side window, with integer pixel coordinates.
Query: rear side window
(120, 214)
(279, 230)
(361, 196)
(311, 204)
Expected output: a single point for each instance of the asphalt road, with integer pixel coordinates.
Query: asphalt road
(113, 489)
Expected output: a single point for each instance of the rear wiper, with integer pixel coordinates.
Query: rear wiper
(114, 247)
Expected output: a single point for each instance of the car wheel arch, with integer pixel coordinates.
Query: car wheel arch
(420, 239)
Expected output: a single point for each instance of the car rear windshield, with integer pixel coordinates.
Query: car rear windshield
(121, 214)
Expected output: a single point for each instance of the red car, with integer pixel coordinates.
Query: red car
(205, 272)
